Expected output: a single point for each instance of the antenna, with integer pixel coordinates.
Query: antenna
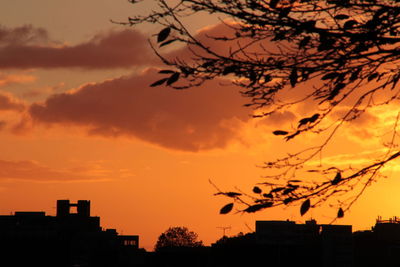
(224, 228)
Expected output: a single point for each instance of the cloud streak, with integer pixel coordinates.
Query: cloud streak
(33, 171)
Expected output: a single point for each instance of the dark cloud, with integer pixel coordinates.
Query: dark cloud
(126, 48)
(23, 35)
(8, 102)
(200, 118)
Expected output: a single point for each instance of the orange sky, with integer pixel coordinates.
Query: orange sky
(79, 121)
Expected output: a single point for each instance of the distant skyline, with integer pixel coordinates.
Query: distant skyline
(79, 121)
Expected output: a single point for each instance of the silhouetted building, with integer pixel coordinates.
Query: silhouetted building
(379, 246)
(67, 239)
(311, 244)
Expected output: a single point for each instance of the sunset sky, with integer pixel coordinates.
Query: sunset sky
(78, 120)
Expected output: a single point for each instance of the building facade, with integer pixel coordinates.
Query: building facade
(67, 239)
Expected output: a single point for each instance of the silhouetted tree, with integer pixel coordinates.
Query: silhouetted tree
(177, 237)
(341, 53)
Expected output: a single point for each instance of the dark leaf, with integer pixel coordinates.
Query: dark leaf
(287, 200)
(373, 76)
(228, 194)
(350, 24)
(303, 121)
(279, 132)
(284, 12)
(336, 91)
(163, 34)
(304, 41)
(293, 77)
(341, 16)
(168, 42)
(340, 213)
(337, 178)
(288, 190)
(354, 75)
(273, 3)
(287, 138)
(232, 194)
(269, 195)
(330, 76)
(166, 71)
(159, 82)
(313, 118)
(229, 69)
(305, 207)
(257, 190)
(208, 64)
(173, 78)
(258, 207)
(309, 25)
(226, 209)
(267, 78)
(277, 189)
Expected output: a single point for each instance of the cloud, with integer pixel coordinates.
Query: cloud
(200, 118)
(47, 90)
(23, 35)
(33, 171)
(115, 49)
(16, 79)
(8, 102)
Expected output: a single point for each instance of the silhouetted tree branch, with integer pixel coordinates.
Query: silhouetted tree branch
(339, 53)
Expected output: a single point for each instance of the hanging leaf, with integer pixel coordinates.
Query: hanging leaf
(257, 190)
(305, 207)
(304, 41)
(350, 24)
(303, 121)
(173, 78)
(166, 71)
(168, 42)
(293, 77)
(288, 190)
(330, 76)
(279, 132)
(226, 209)
(337, 178)
(258, 207)
(287, 200)
(159, 82)
(313, 118)
(373, 76)
(341, 17)
(229, 69)
(233, 194)
(340, 213)
(275, 190)
(163, 34)
(354, 75)
(336, 91)
(289, 137)
(273, 3)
